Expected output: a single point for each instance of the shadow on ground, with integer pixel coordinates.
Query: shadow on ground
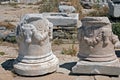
(117, 52)
(8, 64)
(68, 65)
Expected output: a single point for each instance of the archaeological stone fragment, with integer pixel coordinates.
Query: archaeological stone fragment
(35, 54)
(96, 48)
(114, 8)
(66, 7)
(62, 19)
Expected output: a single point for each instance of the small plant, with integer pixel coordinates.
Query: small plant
(48, 6)
(11, 39)
(15, 5)
(6, 20)
(1, 40)
(116, 29)
(52, 5)
(8, 25)
(70, 51)
(2, 53)
(57, 41)
(98, 11)
(30, 3)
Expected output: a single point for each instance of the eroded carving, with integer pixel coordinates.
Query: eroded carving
(35, 55)
(96, 49)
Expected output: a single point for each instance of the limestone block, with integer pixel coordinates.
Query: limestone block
(28, 1)
(96, 49)
(63, 19)
(35, 54)
(66, 8)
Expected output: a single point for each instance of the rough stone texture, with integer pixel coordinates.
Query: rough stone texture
(98, 77)
(58, 19)
(63, 19)
(66, 62)
(28, 1)
(89, 3)
(35, 54)
(96, 53)
(114, 8)
(66, 8)
(85, 78)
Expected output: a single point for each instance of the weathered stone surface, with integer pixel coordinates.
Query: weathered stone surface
(98, 77)
(115, 78)
(114, 8)
(35, 55)
(28, 1)
(90, 3)
(66, 7)
(58, 19)
(94, 68)
(97, 42)
(85, 78)
(63, 19)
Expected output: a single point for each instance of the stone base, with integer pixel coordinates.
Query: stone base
(105, 68)
(35, 69)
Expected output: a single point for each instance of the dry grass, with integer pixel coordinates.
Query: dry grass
(70, 51)
(52, 6)
(8, 25)
(48, 6)
(2, 53)
(57, 41)
(78, 6)
(99, 11)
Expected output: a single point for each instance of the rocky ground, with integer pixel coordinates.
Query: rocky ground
(13, 14)
(62, 73)
(10, 50)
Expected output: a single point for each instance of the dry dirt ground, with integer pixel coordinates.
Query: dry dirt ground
(66, 62)
(6, 68)
(13, 15)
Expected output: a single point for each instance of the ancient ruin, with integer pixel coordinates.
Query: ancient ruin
(90, 3)
(114, 8)
(65, 7)
(96, 49)
(35, 55)
(64, 23)
(62, 19)
(28, 1)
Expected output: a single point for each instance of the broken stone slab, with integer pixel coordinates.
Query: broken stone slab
(84, 67)
(63, 19)
(57, 19)
(66, 8)
(28, 1)
(35, 54)
(96, 49)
